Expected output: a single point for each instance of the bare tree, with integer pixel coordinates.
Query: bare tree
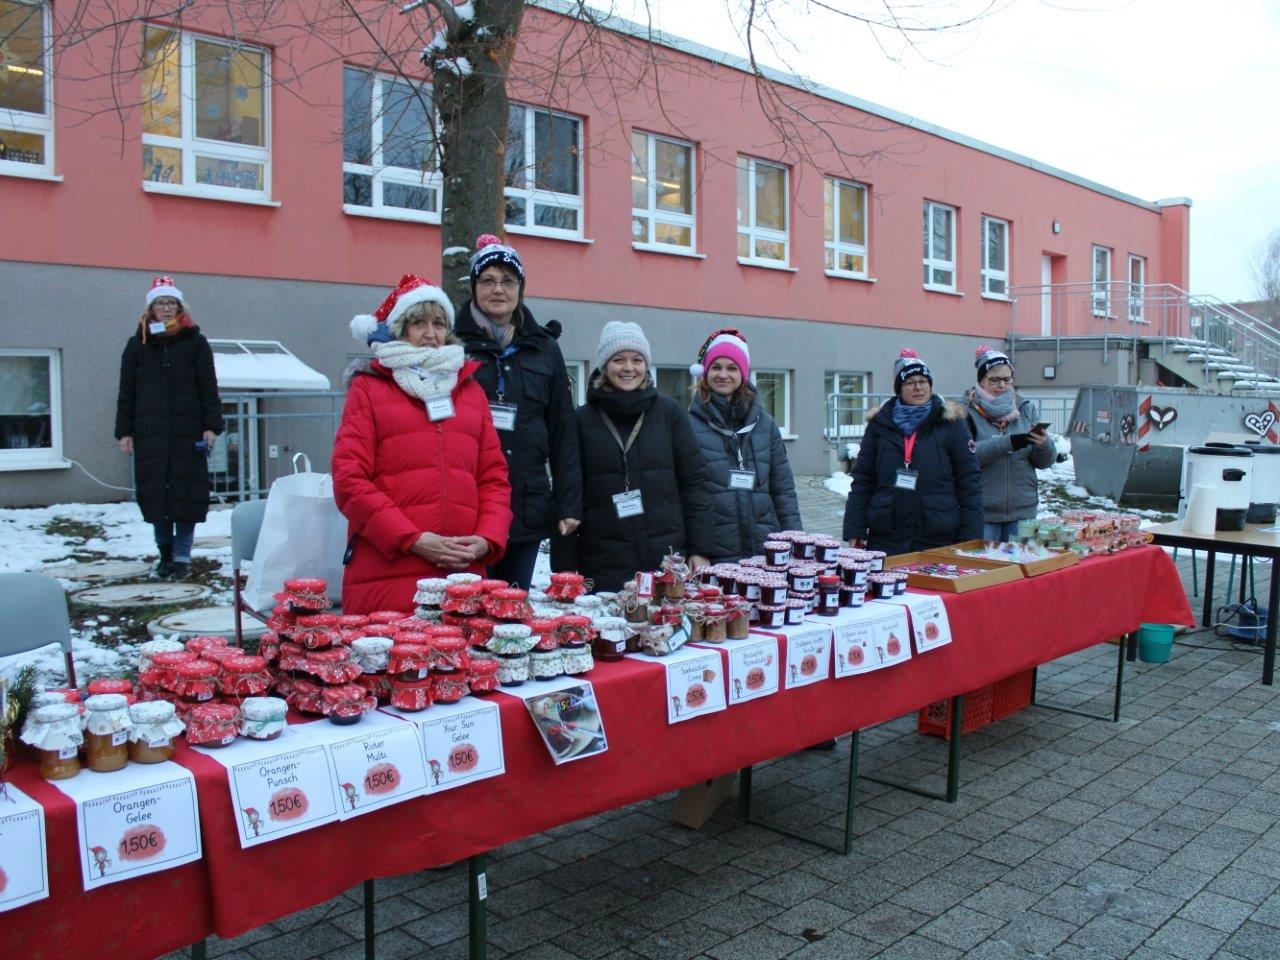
(1264, 269)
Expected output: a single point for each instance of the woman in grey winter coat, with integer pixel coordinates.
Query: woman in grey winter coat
(753, 493)
(1010, 447)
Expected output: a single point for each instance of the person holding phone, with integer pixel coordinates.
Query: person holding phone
(1012, 445)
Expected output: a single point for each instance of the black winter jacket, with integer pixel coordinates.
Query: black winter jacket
(168, 397)
(535, 380)
(946, 505)
(663, 463)
(732, 439)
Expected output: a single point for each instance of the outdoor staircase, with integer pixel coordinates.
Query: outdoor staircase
(1201, 364)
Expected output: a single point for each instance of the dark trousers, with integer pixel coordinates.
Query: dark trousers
(516, 565)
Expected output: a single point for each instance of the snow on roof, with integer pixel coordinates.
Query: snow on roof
(262, 365)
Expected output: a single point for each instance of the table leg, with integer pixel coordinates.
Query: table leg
(952, 791)
(369, 932)
(1273, 600)
(744, 807)
(198, 950)
(1206, 617)
(1128, 648)
(478, 911)
(744, 793)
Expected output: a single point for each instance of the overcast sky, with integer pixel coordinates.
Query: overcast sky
(1156, 98)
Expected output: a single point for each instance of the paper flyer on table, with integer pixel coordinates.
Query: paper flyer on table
(24, 858)
(278, 787)
(871, 637)
(808, 658)
(930, 625)
(567, 717)
(695, 682)
(375, 763)
(141, 819)
(461, 742)
(753, 667)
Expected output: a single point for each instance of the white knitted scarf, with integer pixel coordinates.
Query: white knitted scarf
(421, 372)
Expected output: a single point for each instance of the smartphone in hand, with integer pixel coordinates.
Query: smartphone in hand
(1042, 427)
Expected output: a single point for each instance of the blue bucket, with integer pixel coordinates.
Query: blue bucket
(1155, 642)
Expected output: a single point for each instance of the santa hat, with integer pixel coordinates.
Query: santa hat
(491, 251)
(387, 322)
(728, 344)
(909, 365)
(986, 357)
(163, 287)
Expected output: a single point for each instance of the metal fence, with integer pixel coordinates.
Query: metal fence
(264, 432)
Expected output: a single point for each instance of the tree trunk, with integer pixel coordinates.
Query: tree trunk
(470, 90)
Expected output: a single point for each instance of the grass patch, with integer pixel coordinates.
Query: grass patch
(74, 529)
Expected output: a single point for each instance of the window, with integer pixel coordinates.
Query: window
(662, 213)
(30, 410)
(26, 80)
(845, 401)
(577, 370)
(762, 213)
(844, 214)
(774, 387)
(1137, 285)
(939, 247)
(995, 257)
(674, 382)
(544, 172)
(1101, 281)
(390, 147)
(204, 117)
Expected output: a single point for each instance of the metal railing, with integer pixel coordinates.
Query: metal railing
(263, 431)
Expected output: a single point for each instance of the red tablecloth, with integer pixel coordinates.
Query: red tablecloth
(233, 890)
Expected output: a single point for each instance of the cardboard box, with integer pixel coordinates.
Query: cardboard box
(695, 804)
(993, 571)
(1032, 568)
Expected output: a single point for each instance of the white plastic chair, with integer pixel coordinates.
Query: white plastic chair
(246, 522)
(35, 610)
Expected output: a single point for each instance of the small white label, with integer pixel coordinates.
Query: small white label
(906, 479)
(66, 753)
(205, 695)
(119, 737)
(155, 328)
(628, 504)
(482, 886)
(439, 407)
(155, 743)
(504, 415)
(742, 480)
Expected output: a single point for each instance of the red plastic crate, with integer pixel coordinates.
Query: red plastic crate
(935, 719)
(1012, 694)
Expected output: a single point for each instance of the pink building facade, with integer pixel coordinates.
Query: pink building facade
(283, 186)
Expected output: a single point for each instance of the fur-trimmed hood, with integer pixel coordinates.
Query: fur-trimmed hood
(951, 410)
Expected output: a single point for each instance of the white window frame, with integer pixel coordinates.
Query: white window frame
(784, 424)
(381, 174)
(578, 373)
(851, 431)
(1137, 288)
(751, 230)
(41, 124)
(40, 458)
(190, 144)
(835, 244)
(1100, 290)
(993, 273)
(933, 263)
(652, 213)
(532, 195)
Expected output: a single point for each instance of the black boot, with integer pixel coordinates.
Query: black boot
(164, 569)
(179, 570)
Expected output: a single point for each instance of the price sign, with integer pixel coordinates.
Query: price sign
(375, 768)
(808, 655)
(278, 787)
(462, 743)
(930, 626)
(24, 860)
(871, 637)
(695, 682)
(753, 668)
(142, 819)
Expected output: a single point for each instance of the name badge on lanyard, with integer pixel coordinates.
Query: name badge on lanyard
(907, 478)
(628, 504)
(439, 407)
(742, 480)
(155, 328)
(504, 415)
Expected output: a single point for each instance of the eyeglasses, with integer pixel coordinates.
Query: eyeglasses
(165, 304)
(488, 283)
(999, 381)
(917, 382)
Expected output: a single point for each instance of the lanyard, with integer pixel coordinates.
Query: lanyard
(908, 445)
(734, 437)
(506, 351)
(624, 447)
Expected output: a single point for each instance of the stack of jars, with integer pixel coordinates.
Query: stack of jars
(109, 733)
(324, 673)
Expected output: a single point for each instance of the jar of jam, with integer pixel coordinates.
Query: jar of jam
(263, 717)
(351, 621)
(475, 630)
(155, 724)
(212, 725)
(316, 631)
(565, 587)
(378, 686)
(346, 703)
(409, 663)
(695, 612)
(111, 685)
(776, 552)
(802, 578)
(900, 578)
(149, 649)
(739, 620)
(332, 666)
(610, 642)
(384, 617)
(575, 628)
(54, 732)
(372, 653)
(772, 615)
(851, 596)
(881, 584)
(482, 676)
(463, 577)
(244, 676)
(544, 628)
(448, 653)
(715, 620)
(464, 598)
(828, 604)
(219, 654)
(511, 638)
(430, 592)
(513, 669)
(106, 732)
(576, 659)
(876, 558)
(411, 695)
(507, 603)
(795, 612)
(545, 664)
(168, 662)
(448, 685)
(825, 549)
(195, 681)
(198, 645)
(773, 589)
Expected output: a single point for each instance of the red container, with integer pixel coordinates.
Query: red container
(1012, 694)
(935, 719)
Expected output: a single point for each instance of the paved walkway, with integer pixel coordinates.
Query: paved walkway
(1073, 839)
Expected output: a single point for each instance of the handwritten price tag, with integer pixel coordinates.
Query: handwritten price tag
(753, 668)
(695, 682)
(808, 656)
(380, 766)
(930, 625)
(462, 743)
(24, 864)
(870, 638)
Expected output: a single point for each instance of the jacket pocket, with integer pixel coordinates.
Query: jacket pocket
(535, 506)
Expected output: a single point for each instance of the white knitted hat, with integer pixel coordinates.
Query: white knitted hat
(619, 335)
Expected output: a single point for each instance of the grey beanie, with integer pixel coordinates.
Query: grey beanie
(619, 335)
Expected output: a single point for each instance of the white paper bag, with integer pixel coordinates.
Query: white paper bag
(302, 535)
